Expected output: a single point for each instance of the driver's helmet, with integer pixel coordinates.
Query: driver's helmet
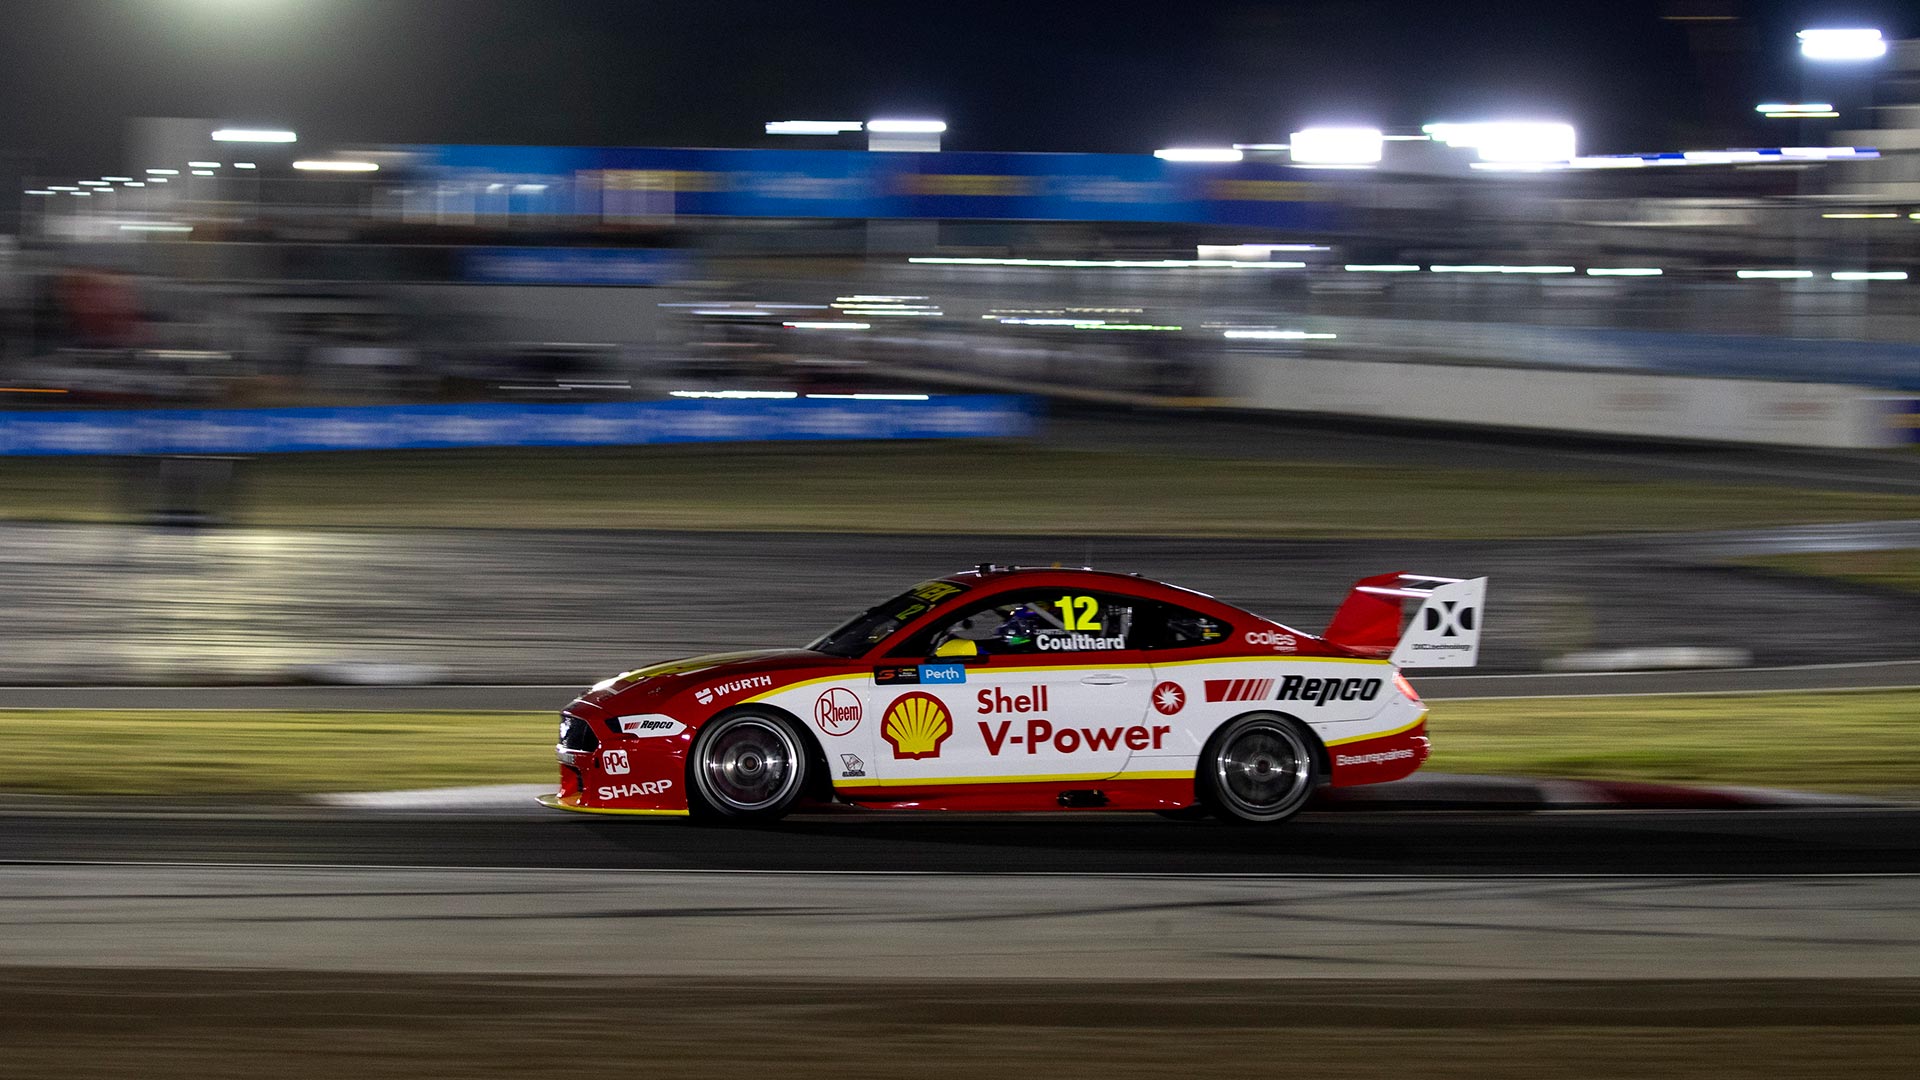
(1022, 624)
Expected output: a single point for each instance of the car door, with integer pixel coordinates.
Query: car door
(1051, 691)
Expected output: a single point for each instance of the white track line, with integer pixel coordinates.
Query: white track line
(1149, 876)
(1729, 692)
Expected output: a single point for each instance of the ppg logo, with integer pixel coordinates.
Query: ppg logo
(1451, 619)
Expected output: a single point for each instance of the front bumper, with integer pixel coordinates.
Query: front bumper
(572, 801)
(606, 767)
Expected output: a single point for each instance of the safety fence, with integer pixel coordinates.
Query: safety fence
(404, 427)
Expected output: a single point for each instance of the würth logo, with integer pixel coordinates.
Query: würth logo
(1451, 618)
(1239, 689)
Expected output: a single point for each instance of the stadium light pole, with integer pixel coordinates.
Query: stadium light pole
(1824, 46)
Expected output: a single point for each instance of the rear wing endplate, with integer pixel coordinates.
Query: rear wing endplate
(1444, 630)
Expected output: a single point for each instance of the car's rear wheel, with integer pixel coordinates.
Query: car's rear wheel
(1258, 768)
(747, 767)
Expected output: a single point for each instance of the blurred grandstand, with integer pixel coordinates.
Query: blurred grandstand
(493, 273)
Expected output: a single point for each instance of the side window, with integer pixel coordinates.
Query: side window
(1028, 622)
(1168, 626)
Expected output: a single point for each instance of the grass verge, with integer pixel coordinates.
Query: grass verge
(1898, 568)
(963, 487)
(221, 753)
(1862, 742)
(1858, 742)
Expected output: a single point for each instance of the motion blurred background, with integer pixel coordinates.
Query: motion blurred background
(375, 374)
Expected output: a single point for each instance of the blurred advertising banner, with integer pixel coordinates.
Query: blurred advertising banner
(572, 266)
(1904, 418)
(618, 183)
(403, 427)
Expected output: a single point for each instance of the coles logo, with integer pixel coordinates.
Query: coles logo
(837, 711)
(915, 725)
(1279, 640)
(1169, 698)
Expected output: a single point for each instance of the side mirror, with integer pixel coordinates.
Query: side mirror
(957, 647)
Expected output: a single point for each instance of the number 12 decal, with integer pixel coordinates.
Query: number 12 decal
(1079, 613)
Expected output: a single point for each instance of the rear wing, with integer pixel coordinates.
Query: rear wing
(1444, 630)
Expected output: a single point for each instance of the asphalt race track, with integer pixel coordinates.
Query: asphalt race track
(851, 896)
(1747, 843)
(180, 939)
(864, 926)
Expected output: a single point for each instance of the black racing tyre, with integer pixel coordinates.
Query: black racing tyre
(749, 766)
(1259, 768)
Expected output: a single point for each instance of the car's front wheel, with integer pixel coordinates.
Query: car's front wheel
(1258, 768)
(747, 767)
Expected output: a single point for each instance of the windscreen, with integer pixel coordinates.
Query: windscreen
(862, 632)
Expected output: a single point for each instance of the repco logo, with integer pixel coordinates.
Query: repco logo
(1281, 642)
(1321, 691)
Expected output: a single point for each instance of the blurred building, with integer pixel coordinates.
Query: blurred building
(561, 272)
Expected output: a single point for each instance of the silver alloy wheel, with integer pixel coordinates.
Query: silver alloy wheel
(1263, 769)
(748, 765)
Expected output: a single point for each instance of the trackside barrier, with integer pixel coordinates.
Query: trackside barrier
(406, 427)
(1586, 402)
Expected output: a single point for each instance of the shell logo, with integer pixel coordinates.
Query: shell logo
(916, 724)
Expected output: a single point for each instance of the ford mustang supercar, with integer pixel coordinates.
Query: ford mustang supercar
(1011, 688)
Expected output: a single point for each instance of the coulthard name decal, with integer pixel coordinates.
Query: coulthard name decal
(1077, 642)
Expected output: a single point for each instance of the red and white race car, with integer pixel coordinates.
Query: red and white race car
(1011, 688)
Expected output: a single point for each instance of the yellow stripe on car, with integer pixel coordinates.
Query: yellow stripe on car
(1380, 734)
(942, 781)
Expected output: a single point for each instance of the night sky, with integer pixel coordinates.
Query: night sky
(1007, 76)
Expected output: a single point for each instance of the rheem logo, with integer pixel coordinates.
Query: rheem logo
(837, 711)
